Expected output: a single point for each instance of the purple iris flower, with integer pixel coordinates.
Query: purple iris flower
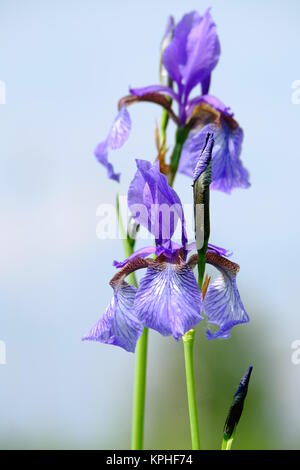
(189, 59)
(190, 52)
(168, 298)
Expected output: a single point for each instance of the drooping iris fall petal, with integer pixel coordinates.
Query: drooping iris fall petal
(169, 300)
(118, 135)
(222, 304)
(119, 325)
(228, 171)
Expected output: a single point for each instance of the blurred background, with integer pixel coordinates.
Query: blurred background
(65, 65)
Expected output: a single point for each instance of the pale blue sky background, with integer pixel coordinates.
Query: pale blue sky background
(66, 64)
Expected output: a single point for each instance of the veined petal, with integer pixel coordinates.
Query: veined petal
(119, 325)
(101, 153)
(154, 204)
(169, 300)
(228, 171)
(120, 130)
(191, 150)
(222, 303)
(193, 52)
(118, 134)
(203, 52)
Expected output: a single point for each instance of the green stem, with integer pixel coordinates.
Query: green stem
(227, 443)
(189, 337)
(164, 125)
(188, 344)
(139, 393)
(137, 438)
(202, 263)
(181, 136)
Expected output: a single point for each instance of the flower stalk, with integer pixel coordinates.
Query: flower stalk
(137, 439)
(235, 411)
(202, 180)
(188, 345)
(227, 443)
(138, 419)
(181, 136)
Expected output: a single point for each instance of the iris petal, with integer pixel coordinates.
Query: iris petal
(212, 101)
(169, 300)
(154, 204)
(141, 253)
(228, 171)
(119, 325)
(194, 51)
(222, 303)
(118, 135)
(165, 90)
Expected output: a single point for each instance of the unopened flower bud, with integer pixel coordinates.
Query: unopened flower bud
(237, 406)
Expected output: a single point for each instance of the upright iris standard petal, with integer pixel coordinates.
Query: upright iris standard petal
(193, 52)
(228, 171)
(119, 325)
(169, 299)
(118, 134)
(222, 303)
(154, 204)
